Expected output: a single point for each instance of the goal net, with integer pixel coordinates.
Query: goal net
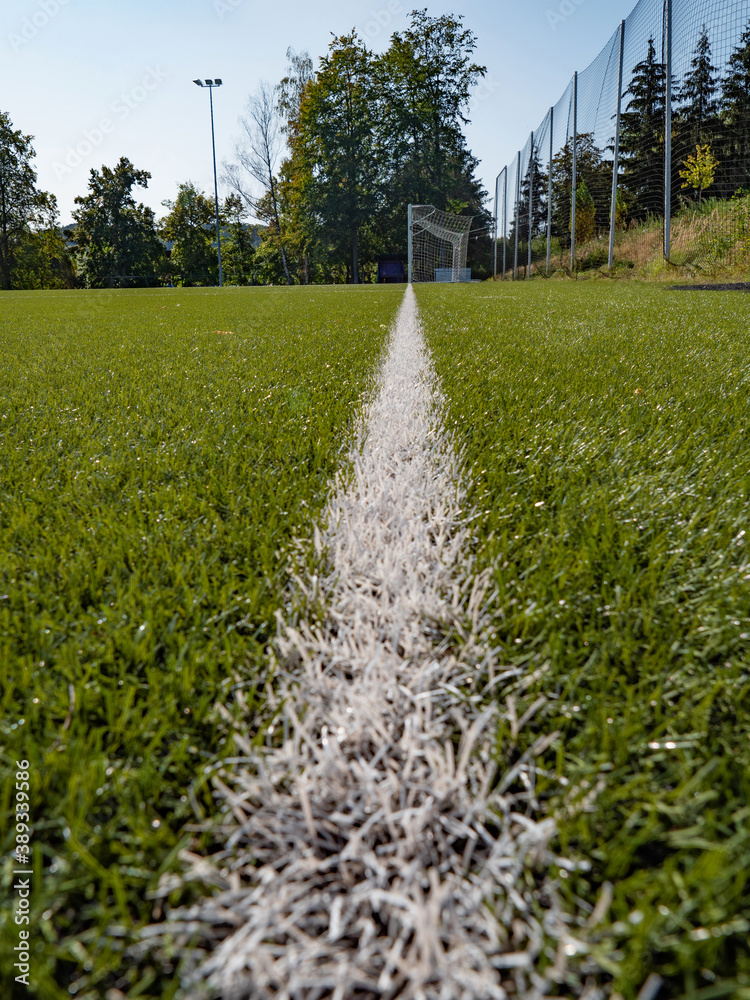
(438, 243)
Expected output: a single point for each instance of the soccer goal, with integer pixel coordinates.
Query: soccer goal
(438, 243)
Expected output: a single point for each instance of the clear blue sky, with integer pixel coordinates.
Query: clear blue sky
(111, 78)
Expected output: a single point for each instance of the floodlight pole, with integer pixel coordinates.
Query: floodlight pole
(616, 157)
(211, 84)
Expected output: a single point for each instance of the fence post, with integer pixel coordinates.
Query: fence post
(531, 204)
(668, 132)
(494, 261)
(616, 159)
(549, 188)
(505, 219)
(515, 214)
(573, 188)
(408, 245)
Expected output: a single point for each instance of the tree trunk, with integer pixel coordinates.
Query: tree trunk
(355, 257)
(4, 243)
(278, 228)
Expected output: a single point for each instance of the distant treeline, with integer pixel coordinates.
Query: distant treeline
(326, 165)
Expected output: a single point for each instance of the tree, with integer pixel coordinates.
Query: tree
(642, 136)
(585, 214)
(292, 89)
(189, 226)
(42, 258)
(117, 238)
(698, 94)
(593, 171)
(257, 153)
(23, 207)
(425, 81)
(423, 85)
(700, 170)
(536, 180)
(369, 134)
(735, 115)
(238, 248)
(296, 171)
(336, 138)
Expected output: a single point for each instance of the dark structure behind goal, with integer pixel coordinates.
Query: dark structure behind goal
(391, 268)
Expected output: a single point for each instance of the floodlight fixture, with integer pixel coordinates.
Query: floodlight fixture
(211, 84)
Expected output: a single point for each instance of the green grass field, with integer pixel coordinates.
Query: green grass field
(159, 450)
(606, 436)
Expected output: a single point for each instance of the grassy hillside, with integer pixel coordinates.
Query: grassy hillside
(710, 241)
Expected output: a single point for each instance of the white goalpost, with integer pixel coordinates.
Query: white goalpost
(438, 243)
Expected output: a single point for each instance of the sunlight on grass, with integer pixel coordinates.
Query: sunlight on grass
(159, 452)
(606, 434)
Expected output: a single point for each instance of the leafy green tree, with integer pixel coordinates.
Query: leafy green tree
(28, 216)
(42, 258)
(295, 180)
(585, 214)
(642, 136)
(425, 81)
(238, 248)
(190, 228)
(699, 170)
(367, 135)
(337, 139)
(117, 239)
(424, 85)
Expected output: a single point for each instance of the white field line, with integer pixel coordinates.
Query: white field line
(374, 854)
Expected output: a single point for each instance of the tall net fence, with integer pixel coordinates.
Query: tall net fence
(646, 155)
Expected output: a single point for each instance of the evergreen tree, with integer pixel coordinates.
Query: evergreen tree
(642, 136)
(593, 171)
(117, 238)
(698, 94)
(535, 180)
(735, 115)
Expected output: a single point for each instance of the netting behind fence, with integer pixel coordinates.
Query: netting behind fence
(645, 155)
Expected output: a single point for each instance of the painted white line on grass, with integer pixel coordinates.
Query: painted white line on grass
(375, 853)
